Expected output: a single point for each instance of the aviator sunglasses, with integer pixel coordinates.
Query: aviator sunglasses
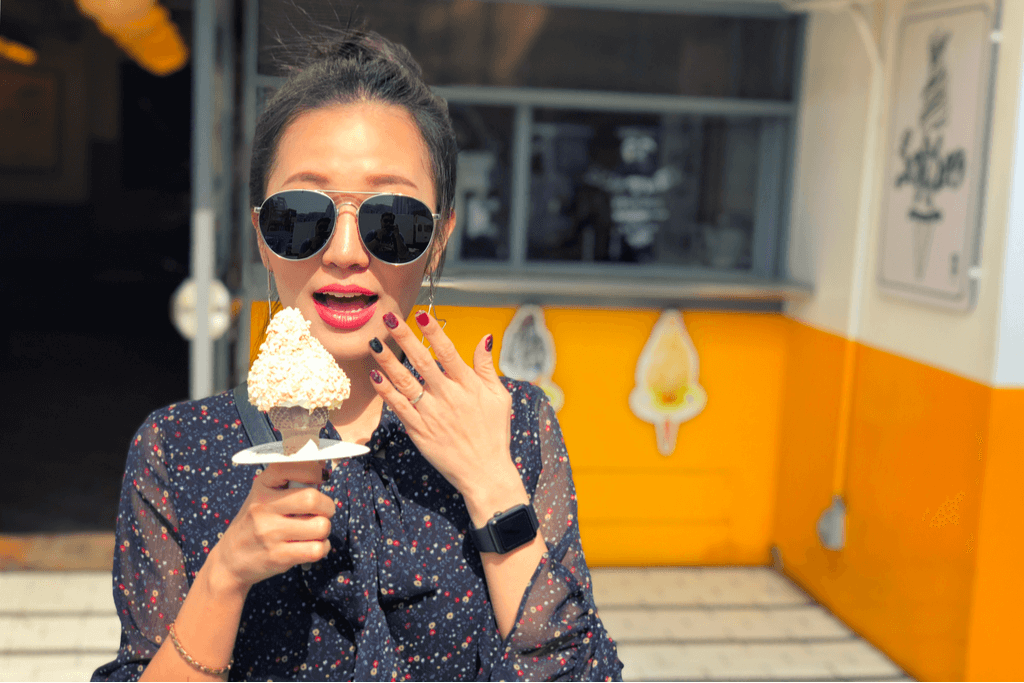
(298, 224)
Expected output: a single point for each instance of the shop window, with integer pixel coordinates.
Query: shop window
(483, 199)
(601, 140)
(644, 188)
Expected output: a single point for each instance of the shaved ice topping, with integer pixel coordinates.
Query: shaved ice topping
(294, 369)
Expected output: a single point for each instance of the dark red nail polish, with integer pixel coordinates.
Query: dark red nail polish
(376, 346)
(488, 343)
(325, 472)
(422, 318)
(376, 376)
(390, 320)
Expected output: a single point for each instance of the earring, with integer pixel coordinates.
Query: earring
(430, 311)
(270, 305)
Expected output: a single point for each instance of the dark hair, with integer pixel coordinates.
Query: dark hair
(353, 65)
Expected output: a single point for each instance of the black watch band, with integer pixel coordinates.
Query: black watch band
(507, 530)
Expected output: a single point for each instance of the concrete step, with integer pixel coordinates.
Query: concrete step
(689, 623)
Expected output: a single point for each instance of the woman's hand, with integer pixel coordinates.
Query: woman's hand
(460, 419)
(277, 527)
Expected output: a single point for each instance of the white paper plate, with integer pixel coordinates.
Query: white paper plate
(329, 449)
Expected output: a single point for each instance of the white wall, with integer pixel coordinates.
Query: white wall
(833, 113)
(828, 168)
(1009, 367)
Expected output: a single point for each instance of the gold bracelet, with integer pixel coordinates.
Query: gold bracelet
(193, 663)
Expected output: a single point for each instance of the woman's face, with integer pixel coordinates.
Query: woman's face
(360, 147)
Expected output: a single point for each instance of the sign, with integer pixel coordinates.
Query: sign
(667, 392)
(935, 157)
(528, 352)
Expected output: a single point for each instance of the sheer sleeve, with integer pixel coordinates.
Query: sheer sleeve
(558, 634)
(149, 576)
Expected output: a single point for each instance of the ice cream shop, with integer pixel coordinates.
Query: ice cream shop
(765, 258)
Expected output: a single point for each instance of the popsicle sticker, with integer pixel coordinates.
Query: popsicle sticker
(667, 392)
(528, 353)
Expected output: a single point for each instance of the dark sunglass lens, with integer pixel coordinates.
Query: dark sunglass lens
(296, 224)
(395, 229)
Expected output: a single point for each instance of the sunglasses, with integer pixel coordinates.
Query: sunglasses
(298, 224)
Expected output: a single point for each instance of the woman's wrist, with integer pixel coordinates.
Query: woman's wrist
(219, 582)
(499, 493)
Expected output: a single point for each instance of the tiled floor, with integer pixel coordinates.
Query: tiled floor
(737, 623)
(55, 626)
(671, 624)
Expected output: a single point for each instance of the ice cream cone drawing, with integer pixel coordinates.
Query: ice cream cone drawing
(528, 352)
(928, 167)
(667, 392)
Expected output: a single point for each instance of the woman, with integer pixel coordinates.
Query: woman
(388, 570)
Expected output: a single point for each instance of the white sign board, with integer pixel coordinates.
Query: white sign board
(935, 165)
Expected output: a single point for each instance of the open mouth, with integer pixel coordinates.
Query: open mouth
(337, 301)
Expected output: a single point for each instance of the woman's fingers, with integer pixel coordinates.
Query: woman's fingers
(442, 346)
(414, 350)
(287, 555)
(483, 362)
(277, 475)
(299, 529)
(403, 388)
(305, 501)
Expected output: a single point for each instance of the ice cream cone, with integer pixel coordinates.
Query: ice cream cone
(297, 425)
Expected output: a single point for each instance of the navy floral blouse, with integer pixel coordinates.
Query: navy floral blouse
(401, 596)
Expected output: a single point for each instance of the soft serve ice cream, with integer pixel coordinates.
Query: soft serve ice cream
(668, 372)
(667, 391)
(295, 380)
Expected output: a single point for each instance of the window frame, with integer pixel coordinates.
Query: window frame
(779, 114)
(765, 286)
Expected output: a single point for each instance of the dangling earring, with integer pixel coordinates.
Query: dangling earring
(430, 309)
(270, 305)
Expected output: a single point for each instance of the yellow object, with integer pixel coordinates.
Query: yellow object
(997, 601)
(668, 375)
(143, 29)
(930, 571)
(711, 502)
(260, 314)
(18, 53)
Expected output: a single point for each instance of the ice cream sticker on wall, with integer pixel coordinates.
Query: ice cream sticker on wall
(528, 352)
(667, 393)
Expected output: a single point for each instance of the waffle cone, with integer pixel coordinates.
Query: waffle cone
(297, 425)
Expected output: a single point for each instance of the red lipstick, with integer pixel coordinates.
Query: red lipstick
(345, 307)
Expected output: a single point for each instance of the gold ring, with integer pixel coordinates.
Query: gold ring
(416, 400)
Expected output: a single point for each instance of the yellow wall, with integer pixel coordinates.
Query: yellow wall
(930, 569)
(934, 471)
(710, 502)
(998, 597)
(921, 576)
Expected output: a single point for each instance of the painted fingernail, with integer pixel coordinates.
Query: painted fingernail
(376, 346)
(376, 376)
(422, 318)
(390, 320)
(488, 343)
(325, 472)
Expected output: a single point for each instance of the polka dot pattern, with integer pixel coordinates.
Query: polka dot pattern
(401, 596)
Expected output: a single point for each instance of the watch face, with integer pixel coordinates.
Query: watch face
(516, 529)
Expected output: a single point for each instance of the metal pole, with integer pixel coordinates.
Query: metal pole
(203, 216)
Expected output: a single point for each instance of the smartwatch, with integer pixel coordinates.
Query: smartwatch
(507, 530)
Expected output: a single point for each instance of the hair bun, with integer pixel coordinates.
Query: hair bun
(363, 47)
(320, 44)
